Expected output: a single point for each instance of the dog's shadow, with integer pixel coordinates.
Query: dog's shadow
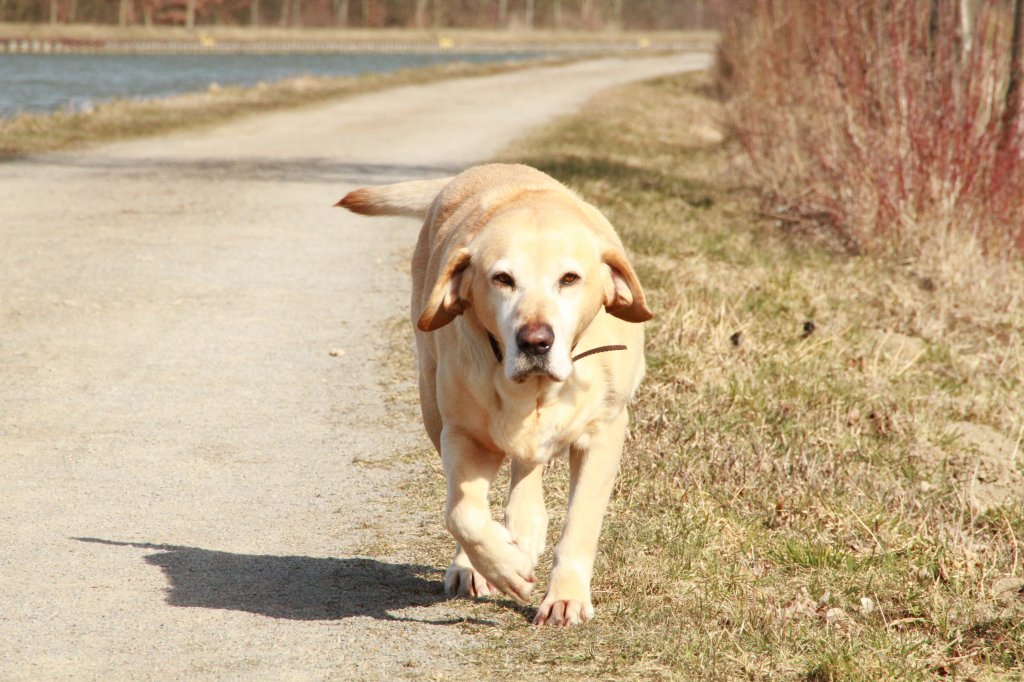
(294, 587)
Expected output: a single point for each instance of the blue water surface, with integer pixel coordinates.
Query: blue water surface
(46, 82)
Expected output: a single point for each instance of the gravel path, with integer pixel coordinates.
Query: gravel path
(180, 492)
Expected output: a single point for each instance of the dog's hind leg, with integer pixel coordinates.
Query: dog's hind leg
(462, 580)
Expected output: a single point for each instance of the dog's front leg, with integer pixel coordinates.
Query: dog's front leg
(487, 544)
(525, 515)
(592, 476)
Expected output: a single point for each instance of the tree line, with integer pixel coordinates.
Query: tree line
(501, 14)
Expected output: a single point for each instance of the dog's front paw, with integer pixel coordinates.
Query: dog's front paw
(566, 603)
(506, 566)
(560, 612)
(462, 580)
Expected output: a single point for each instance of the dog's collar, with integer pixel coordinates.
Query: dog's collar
(495, 347)
(593, 351)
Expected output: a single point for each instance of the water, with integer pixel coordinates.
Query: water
(31, 82)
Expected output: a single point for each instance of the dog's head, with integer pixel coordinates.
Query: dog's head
(535, 277)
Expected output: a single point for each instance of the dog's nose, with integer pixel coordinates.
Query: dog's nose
(535, 339)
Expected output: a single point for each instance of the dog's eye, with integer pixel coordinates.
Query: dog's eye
(503, 279)
(569, 278)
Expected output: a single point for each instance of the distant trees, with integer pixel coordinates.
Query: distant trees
(523, 14)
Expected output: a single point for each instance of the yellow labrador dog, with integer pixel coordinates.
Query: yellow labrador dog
(514, 280)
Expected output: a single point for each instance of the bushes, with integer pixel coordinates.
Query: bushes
(885, 120)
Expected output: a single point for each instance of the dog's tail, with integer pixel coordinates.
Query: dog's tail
(404, 198)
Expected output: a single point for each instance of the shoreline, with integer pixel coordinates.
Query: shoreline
(30, 134)
(101, 39)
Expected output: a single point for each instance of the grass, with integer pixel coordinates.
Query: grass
(126, 119)
(793, 503)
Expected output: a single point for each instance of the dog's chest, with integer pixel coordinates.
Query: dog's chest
(534, 434)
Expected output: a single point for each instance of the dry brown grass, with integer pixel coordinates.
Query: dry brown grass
(824, 478)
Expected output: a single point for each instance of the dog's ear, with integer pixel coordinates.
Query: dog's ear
(624, 297)
(448, 298)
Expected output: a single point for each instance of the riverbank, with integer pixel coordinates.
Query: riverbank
(91, 38)
(121, 119)
(41, 83)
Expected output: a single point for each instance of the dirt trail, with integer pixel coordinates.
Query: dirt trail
(178, 496)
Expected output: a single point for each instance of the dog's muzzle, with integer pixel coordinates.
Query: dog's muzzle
(532, 357)
(534, 340)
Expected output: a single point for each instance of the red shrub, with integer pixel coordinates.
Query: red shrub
(882, 119)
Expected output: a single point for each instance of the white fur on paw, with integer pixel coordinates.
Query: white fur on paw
(463, 581)
(507, 568)
(561, 612)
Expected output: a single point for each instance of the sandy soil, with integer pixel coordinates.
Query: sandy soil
(180, 495)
